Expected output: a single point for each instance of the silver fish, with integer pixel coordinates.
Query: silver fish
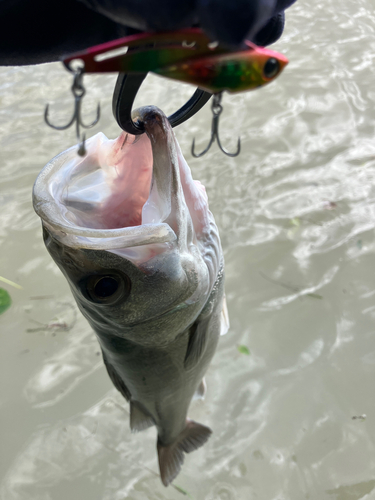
(132, 233)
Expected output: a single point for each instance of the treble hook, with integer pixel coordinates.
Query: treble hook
(78, 91)
(217, 109)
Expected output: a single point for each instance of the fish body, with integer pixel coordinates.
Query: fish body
(233, 72)
(133, 235)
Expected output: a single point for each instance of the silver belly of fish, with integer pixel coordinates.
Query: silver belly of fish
(132, 233)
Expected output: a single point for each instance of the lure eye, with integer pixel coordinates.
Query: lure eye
(271, 68)
(107, 289)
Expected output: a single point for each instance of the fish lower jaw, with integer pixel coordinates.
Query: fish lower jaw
(111, 239)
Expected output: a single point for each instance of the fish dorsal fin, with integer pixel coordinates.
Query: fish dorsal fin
(224, 319)
(116, 379)
(139, 420)
(171, 457)
(197, 343)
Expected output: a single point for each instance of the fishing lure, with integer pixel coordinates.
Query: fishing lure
(187, 56)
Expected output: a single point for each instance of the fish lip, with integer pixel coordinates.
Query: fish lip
(153, 120)
(150, 114)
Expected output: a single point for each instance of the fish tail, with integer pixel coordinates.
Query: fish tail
(171, 457)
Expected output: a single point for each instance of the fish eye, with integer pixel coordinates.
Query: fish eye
(107, 289)
(271, 68)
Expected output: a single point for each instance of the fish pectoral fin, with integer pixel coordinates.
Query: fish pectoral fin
(116, 379)
(139, 419)
(201, 390)
(197, 344)
(224, 319)
(172, 457)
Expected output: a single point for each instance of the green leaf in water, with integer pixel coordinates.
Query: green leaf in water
(181, 490)
(11, 283)
(243, 350)
(359, 244)
(295, 221)
(314, 296)
(5, 300)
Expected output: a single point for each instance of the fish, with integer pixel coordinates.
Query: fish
(132, 233)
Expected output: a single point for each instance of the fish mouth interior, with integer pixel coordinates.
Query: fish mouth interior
(130, 192)
(109, 188)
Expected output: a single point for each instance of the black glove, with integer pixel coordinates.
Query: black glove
(229, 21)
(37, 31)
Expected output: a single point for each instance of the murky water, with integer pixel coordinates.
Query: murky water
(296, 213)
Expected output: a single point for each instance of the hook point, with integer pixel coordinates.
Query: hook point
(82, 147)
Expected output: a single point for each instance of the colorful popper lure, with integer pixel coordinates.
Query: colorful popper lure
(233, 72)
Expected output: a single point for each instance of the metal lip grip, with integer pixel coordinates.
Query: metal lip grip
(126, 89)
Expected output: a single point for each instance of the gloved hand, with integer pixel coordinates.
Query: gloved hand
(37, 31)
(228, 21)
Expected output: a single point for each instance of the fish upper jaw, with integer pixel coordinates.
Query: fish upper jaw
(166, 192)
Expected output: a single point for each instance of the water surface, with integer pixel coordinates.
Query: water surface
(293, 420)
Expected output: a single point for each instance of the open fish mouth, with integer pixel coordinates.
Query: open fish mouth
(124, 193)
